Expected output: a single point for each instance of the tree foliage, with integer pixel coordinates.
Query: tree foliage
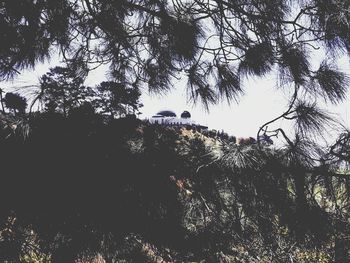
(110, 182)
(152, 41)
(62, 91)
(214, 44)
(15, 102)
(123, 189)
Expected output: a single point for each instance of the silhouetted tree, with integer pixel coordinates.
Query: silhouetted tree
(2, 101)
(101, 187)
(109, 184)
(151, 41)
(15, 102)
(116, 99)
(214, 43)
(61, 90)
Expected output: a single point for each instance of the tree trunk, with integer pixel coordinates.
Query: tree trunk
(2, 102)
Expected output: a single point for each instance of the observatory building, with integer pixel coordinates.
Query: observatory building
(168, 117)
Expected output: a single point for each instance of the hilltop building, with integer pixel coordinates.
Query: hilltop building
(169, 118)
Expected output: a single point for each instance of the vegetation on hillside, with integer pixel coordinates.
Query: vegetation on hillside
(82, 179)
(85, 187)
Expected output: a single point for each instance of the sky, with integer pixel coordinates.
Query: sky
(261, 102)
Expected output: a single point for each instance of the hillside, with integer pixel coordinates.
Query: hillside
(86, 189)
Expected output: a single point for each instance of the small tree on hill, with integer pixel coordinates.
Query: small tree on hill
(116, 99)
(15, 102)
(61, 90)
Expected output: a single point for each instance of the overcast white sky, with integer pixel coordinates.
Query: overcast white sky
(262, 101)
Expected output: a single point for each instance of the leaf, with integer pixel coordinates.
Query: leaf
(199, 89)
(333, 18)
(183, 35)
(302, 152)
(242, 157)
(228, 83)
(331, 83)
(258, 59)
(158, 76)
(311, 119)
(295, 61)
(16, 102)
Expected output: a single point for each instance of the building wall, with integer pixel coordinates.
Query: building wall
(171, 120)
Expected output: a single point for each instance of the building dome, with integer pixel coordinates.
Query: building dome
(167, 113)
(185, 115)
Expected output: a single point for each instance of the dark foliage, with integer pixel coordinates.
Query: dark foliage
(126, 190)
(330, 83)
(84, 179)
(30, 28)
(198, 87)
(150, 42)
(311, 119)
(61, 90)
(181, 35)
(116, 99)
(258, 60)
(15, 102)
(295, 64)
(228, 83)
